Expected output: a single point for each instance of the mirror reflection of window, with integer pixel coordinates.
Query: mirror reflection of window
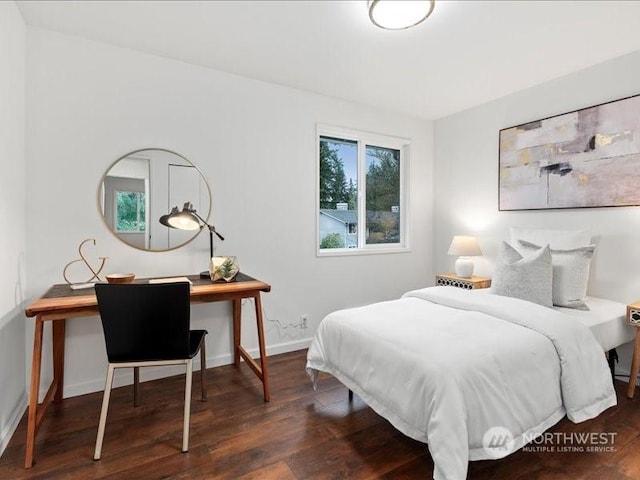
(130, 212)
(128, 176)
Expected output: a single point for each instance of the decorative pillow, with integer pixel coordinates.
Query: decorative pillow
(556, 239)
(528, 278)
(570, 274)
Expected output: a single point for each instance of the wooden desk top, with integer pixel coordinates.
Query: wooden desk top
(61, 297)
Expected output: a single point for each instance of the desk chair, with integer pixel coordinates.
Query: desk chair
(148, 325)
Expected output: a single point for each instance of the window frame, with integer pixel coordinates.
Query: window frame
(363, 139)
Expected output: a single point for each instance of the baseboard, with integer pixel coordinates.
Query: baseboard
(14, 419)
(125, 377)
(284, 347)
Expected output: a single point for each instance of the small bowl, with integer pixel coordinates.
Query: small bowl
(120, 277)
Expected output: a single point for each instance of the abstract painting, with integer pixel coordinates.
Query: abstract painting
(585, 158)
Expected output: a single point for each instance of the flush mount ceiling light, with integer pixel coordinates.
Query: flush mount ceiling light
(399, 14)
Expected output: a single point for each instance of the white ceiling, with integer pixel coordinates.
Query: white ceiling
(465, 54)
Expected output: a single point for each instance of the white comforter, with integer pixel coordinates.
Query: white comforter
(444, 366)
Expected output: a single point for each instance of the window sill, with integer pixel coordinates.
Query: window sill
(345, 252)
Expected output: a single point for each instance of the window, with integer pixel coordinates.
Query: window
(130, 212)
(361, 192)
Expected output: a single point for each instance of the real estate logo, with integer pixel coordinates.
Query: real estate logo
(570, 442)
(498, 442)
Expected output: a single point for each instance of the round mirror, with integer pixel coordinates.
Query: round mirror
(142, 186)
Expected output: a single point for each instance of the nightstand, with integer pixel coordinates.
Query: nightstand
(452, 280)
(633, 318)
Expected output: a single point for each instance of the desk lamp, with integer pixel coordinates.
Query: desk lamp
(464, 247)
(188, 219)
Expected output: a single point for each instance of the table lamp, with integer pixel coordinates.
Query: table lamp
(464, 247)
(188, 219)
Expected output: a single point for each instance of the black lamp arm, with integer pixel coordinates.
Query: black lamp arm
(210, 227)
(213, 229)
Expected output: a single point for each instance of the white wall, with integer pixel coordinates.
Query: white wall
(466, 170)
(89, 103)
(12, 210)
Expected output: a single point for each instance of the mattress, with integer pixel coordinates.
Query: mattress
(606, 320)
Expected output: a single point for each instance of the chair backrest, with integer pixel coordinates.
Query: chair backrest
(145, 321)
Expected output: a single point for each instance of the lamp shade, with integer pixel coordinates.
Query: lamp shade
(463, 246)
(399, 14)
(184, 221)
(164, 219)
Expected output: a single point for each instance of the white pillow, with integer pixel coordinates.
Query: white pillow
(556, 239)
(570, 274)
(528, 278)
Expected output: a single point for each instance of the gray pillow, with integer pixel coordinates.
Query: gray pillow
(570, 274)
(528, 277)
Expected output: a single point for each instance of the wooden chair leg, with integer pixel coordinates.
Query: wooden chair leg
(203, 368)
(187, 406)
(136, 386)
(103, 412)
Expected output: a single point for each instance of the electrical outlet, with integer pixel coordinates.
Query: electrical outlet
(303, 320)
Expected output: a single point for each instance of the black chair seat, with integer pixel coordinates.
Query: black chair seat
(150, 355)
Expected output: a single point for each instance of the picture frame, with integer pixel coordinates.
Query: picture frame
(580, 159)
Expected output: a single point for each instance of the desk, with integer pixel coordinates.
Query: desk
(61, 302)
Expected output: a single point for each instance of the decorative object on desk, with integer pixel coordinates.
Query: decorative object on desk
(399, 15)
(120, 277)
(223, 268)
(585, 158)
(96, 273)
(464, 247)
(188, 219)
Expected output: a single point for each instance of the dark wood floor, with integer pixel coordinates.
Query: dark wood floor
(300, 434)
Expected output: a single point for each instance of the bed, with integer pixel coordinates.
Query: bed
(451, 367)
